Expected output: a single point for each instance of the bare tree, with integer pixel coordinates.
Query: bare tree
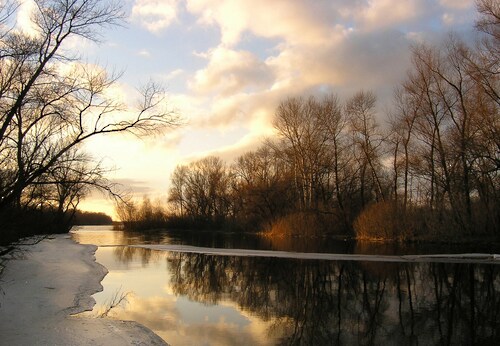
(202, 190)
(46, 114)
(263, 190)
(177, 192)
(333, 123)
(452, 119)
(301, 127)
(407, 106)
(368, 141)
(489, 21)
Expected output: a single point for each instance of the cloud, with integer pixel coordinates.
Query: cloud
(268, 51)
(229, 153)
(144, 53)
(295, 21)
(457, 12)
(137, 187)
(320, 48)
(234, 110)
(23, 19)
(241, 90)
(155, 15)
(170, 140)
(172, 321)
(316, 46)
(379, 14)
(230, 71)
(158, 313)
(173, 74)
(368, 60)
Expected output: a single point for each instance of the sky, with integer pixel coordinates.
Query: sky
(226, 65)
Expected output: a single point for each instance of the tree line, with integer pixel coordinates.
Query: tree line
(432, 170)
(51, 103)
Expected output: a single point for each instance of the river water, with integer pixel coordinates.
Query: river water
(201, 288)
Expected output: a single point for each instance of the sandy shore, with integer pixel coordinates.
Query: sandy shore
(46, 285)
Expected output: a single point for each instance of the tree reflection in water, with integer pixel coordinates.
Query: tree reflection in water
(303, 301)
(325, 302)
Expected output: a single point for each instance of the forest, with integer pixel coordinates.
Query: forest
(426, 169)
(429, 171)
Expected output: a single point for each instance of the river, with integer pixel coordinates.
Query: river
(201, 288)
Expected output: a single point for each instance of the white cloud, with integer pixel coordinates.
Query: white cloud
(380, 14)
(155, 15)
(23, 19)
(244, 90)
(343, 47)
(231, 152)
(301, 21)
(73, 44)
(316, 45)
(231, 71)
(144, 53)
(173, 74)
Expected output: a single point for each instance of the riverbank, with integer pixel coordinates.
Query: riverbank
(49, 282)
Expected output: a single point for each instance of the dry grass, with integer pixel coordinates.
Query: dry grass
(380, 222)
(297, 224)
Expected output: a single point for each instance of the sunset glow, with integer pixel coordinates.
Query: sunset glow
(227, 64)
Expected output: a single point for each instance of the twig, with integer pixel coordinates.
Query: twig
(118, 298)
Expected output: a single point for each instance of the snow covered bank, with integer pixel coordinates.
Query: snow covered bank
(53, 280)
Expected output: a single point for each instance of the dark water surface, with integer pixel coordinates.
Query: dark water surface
(196, 298)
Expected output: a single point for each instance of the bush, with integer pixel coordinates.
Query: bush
(297, 224)
(382, 221)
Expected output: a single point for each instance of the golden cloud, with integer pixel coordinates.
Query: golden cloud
(155, 15)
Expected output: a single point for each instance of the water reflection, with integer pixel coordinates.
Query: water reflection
(317, 302)
(243, 300)
(106, 236)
